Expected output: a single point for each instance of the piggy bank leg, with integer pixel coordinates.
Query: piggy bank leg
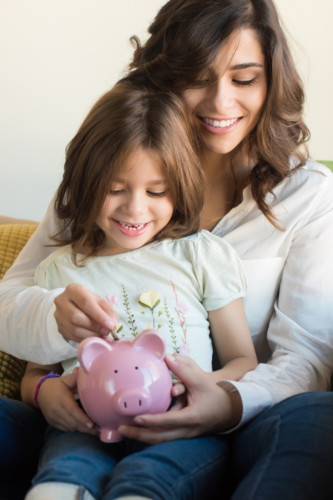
(110, 435)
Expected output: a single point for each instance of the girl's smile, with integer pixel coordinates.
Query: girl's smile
(132, 229)
(138, 205)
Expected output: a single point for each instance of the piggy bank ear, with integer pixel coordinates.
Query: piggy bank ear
(151, 340)
(90, 349)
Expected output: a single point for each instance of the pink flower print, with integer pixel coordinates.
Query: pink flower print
(182, 307)
(184, 350)
(112, 299)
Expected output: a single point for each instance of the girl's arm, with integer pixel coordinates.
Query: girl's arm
(56, 398)
(232, 339)
(28, 326)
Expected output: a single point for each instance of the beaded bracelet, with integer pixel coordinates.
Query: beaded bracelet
(49, 375)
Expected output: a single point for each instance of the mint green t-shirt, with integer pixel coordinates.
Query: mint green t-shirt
(168, 285)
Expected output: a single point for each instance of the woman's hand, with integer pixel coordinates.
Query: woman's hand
(81, 313)
(60, 409)
(209, 408)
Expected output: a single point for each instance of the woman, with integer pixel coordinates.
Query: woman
(230, 61)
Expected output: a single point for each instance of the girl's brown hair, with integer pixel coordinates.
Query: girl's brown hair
(184, 39)
(124, 119)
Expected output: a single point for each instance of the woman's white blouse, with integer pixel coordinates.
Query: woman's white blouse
(289, 303)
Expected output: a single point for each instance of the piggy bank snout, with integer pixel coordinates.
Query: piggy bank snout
(132, 401)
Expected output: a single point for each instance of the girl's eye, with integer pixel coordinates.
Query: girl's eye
(151, 193)
(245, 83)
(116, 191)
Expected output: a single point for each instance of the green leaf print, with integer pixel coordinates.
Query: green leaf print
(130, 316)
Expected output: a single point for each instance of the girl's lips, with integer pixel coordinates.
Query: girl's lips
(218, 130)
(131, 232)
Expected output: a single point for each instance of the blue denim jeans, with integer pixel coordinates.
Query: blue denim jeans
(284, 453)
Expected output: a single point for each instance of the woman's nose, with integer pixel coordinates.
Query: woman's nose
(221, 96)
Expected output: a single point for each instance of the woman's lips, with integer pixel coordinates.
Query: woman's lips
(131, 232)
(219, 130)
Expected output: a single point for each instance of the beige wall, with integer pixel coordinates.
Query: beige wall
(57, 57)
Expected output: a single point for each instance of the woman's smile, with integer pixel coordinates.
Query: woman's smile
(231, 105)
(219, 126)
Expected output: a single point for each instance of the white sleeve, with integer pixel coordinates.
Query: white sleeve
(300, 332)
(27, 326)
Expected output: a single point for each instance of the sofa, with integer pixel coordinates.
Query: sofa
(14, 233)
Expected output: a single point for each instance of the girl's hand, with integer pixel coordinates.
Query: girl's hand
(81, 313)
(178, 392)
(60, 409)
(209, 409)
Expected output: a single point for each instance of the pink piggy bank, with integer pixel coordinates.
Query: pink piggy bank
(120, 379)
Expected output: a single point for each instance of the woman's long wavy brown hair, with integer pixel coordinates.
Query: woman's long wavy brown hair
(123, 120)
(184, 39)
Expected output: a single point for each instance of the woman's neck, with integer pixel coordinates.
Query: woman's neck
(225, 182)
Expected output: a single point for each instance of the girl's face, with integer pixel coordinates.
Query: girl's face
(138, 205)
(229, 108)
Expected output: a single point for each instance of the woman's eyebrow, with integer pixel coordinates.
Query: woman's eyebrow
(246, 65)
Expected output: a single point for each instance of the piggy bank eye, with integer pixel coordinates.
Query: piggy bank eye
(116, 371)
(136, 367)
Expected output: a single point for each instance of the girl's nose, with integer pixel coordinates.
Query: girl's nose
(135, 205)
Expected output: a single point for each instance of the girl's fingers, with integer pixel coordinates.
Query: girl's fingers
(178, 389)
(81, 313)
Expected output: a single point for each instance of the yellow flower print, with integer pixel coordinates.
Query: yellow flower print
(150, 299)
(148, 327)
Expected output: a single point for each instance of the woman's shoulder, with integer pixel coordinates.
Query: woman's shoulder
(314, 172)
(308, 184)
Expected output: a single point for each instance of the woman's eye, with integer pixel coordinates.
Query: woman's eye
(116, 191)
(152, 193)
(245, 83)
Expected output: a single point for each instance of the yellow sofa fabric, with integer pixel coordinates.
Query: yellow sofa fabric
(13, 237)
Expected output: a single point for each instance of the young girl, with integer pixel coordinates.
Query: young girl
(132, 193)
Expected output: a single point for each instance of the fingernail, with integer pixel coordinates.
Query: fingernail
(89, 425)
(175, 392)
(105, 331)
(109, 324)
(138, 421)
(171, 358)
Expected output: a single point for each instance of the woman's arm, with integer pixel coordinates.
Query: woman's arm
(28, 327)
(209, 408)
(56, 398)
(300, 332)
(232, 339)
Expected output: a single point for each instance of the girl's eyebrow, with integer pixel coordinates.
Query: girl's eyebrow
(246, 65)
(151, 183)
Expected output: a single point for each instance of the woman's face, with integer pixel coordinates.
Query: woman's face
(229, 108)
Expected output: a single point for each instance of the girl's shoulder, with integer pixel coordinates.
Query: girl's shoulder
(204, 244)
(62, 253)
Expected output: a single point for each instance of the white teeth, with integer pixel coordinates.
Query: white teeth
(131, 227)
(219, 124)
